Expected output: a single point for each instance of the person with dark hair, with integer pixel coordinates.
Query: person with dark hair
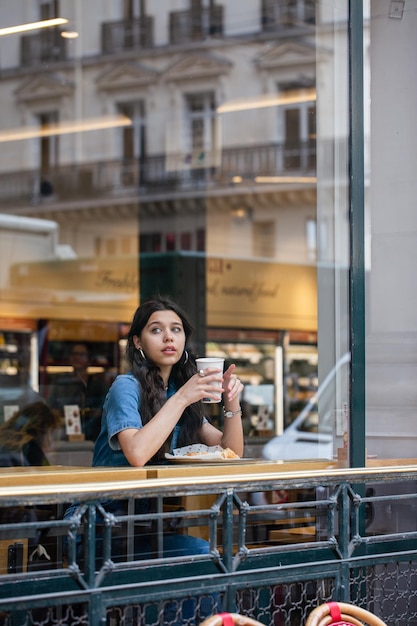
(157, 406)
(81, 388)
(25, 439)
(27, 436)
(154, 408)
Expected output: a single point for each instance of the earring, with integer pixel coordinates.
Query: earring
(142, 354)
(185, 358)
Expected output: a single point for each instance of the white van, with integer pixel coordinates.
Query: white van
(307, 437)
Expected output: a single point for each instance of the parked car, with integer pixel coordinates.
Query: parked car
(307, 437)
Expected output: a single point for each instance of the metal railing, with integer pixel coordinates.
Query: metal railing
(188, 26)
(152, 174)
(185, 27)
(281, 14)
(130, 34)
(280, 541)
(43, 48)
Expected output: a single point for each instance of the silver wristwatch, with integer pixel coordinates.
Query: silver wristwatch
(230, 414)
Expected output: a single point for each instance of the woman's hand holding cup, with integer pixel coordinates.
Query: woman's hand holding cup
(204, 366)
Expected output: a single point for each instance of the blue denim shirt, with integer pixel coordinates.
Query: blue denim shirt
(121, 410)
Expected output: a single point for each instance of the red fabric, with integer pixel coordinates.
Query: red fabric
(335, 613)
(227, 619)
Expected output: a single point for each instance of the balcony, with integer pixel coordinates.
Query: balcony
(46, 46)
(188, 26)
(153, 174)
(121, 36)
(278, 15)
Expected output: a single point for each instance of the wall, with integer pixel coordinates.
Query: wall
(391, 347)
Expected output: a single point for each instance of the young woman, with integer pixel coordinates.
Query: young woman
(157, 406)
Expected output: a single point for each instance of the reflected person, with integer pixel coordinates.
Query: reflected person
(81, 388)
(28, 435)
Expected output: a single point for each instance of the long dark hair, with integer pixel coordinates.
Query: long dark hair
(34, 421)
(153, 394)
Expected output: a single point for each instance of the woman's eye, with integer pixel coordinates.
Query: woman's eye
(156, 330)
(177, 329)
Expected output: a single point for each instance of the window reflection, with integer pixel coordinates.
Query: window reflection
(204, 188)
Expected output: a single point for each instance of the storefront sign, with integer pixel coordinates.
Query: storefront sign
(257, 294)
(97, 289)
(239, 293)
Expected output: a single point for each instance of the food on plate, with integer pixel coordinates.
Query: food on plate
(226, 453)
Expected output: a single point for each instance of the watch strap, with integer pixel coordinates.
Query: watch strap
(230, 414)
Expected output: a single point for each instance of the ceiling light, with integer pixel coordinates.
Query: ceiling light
(65, 128)
(69, 34)
(286, 179)
(269, 100)
(21, 28)
(241, 212)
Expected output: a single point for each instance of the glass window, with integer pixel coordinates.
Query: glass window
(264, 239)
(200, 138)
(186, 241)
(196, 149)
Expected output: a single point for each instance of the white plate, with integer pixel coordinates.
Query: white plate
(200, 452)
(202, 458)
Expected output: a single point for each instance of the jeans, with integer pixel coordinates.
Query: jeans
(174, 545)
(180, 612)
(144, 547)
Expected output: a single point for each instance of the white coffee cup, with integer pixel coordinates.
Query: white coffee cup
(204, 363)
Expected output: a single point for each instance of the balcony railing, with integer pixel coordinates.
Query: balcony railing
(176, 172)
(133, 34)
(188, 26)
(46, 46)
(280, 14)
(282, 539)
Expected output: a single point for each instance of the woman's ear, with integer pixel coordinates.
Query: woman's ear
(136, 342)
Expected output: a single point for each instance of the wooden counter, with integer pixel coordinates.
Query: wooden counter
(15, 481)
(232, 468)
(57, 479)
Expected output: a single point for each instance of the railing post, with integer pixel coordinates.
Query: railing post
(90, 544)
(229, 598)
(357, 423)
(343, 540)
(357, 455)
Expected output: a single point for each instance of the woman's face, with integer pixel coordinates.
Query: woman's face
(162, 339)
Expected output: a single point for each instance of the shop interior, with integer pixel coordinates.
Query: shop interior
(279, 370)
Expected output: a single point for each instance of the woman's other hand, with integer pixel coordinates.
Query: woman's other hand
(232, 385)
